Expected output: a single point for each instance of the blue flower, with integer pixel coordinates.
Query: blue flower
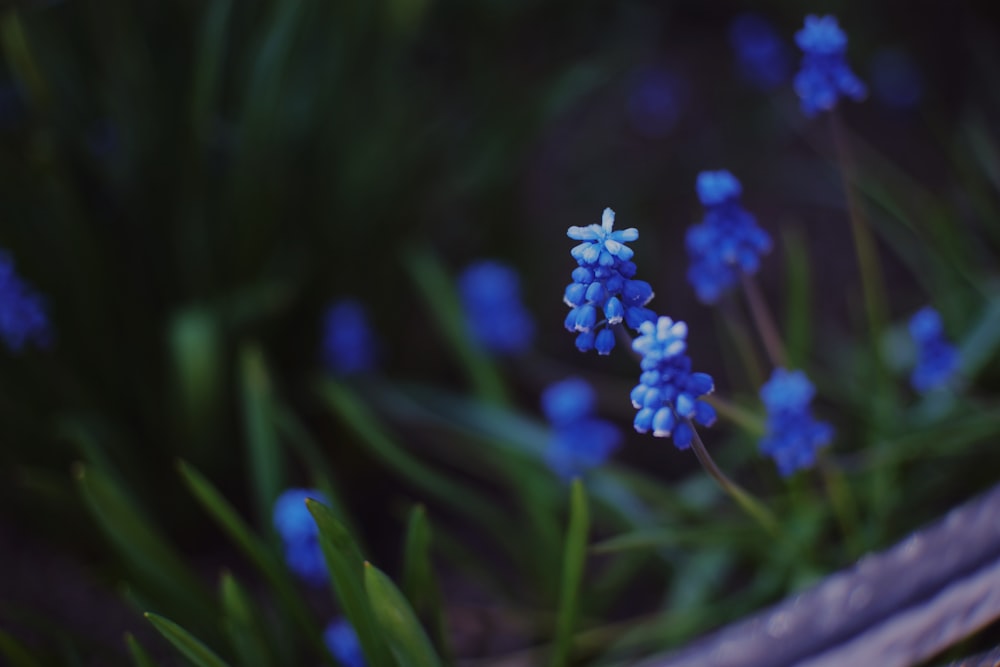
(342, 642)
(23, 317)
(299, 534)
(490, 294)
(579, 442)
(568, 401)
(762, 56)
(349, 346)
(793, 436)
(603, 293)
(937, 359)
(668, 394)
(824, 75)
(728, 241)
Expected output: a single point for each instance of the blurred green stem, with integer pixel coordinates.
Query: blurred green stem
(764, 321)
(750, 505)
(844, 507)
(864, 247)
(874, 295)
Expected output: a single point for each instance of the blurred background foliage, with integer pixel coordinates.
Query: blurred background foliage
(190, 183)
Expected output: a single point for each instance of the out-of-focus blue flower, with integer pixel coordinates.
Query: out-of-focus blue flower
(937, 359)
(896, 80)
(727, 242)
(342, 642)
(491, 297)
(761, 55)
(603, 293)
(23, 317)
(793, 436)
(579, 441)
(654, 101)
(668, 394)
(349, 346)
(299, 534)
(824, 75)
(568, 401)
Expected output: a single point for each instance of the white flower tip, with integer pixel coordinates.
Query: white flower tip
(608, 219)
(659, 433)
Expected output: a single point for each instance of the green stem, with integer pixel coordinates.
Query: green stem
(750, 505)
(842, 500)
(764, 320)
(864, 244)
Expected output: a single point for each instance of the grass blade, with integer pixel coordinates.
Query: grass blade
(419, 582)
(442, 300)
(139, 656)
(345, 563)
(256, 550)
(402, 630)
(573, 562)
(190, 646)
(241, 624)
(151, 555)
(266, 463)
(357, 416)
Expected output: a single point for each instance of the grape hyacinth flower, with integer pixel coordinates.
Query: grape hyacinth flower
(793, 436)
(299, 534)
(342, 642)
(762, 57)
(491, 299)
(937, 359)
(727, 242)
(824, 75)
(349, 346)
(23, 318)
(603, 293)
(579, 441)
(668, 394)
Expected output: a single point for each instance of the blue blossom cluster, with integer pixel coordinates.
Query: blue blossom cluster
(349, 346)
(579, 441)
(491, 298)
(668, 394)
(727, 242)
(300, 535)
(23, 318)
(937, 359)
(793, 436)
(761, 55)
(342, 642)
(603, 293)
(824, 75)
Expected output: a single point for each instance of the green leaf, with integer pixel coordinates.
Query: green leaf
(981, 342)
(190, 646)
(150, 555)
(259, 553)
(573, 561)
(242, 623)
(798, 299)
(139, 655)
(266, 463)
(345, 564)
(717, 533)
(359, 418)
(212, 43)
(419, 582)
(438, 290)
(402, 630)
(15, 652)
